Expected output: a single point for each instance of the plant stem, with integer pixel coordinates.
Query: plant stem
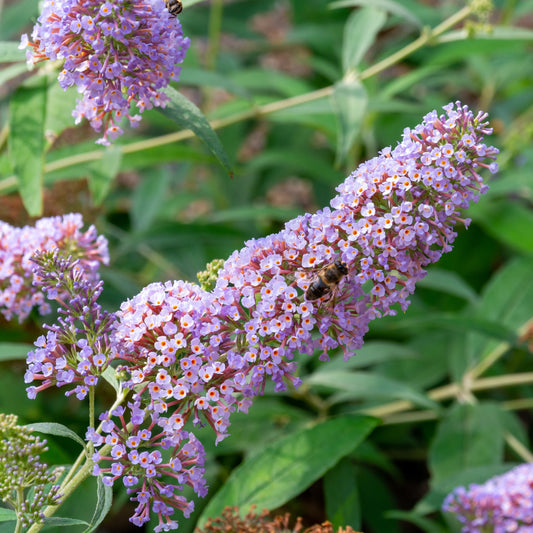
(452, 390)
(261, 111)
(498, 352)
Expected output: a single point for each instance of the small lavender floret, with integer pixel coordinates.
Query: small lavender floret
(115, 53)
(18, 296)
(78, 348)
(501, 504)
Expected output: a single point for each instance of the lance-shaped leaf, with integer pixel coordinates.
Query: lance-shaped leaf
(287, 467)
(349, 102)
(360, 32)
(27, 115)
(187, 115)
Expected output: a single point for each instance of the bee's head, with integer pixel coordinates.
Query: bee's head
(341, 266)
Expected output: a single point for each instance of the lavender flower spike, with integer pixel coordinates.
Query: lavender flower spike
(17, 245)
(502, 504)
(193, 355)
(116, 53)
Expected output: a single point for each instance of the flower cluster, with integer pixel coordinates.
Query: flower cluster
(504, 503)
(190, 354)
(77, 350)
(193, 355)
(21, 470)
(17, 245)
(134, 455)
(115, 53)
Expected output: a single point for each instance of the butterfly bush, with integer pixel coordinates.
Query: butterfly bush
(115, 53)
(192, 356)
(502, 504)
(17, 245)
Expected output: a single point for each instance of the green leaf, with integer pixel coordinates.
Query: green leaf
(394, 8)
(507, 301)
(16, 16)
(104, 494)
(109, 375)
(187, 115)
(508, 221)
(342, 496)
(59, 521)
(103, 171)
(9, 52)
(349, 102)
(207, 78)
(358, 385)
(285, 468)
(53, 428)
(148, 198)
(360, 33)
(468, 436)
(429, 526)
(27, 115)
(7, 515)
(11, 351)
(59, 107)
(374, 352)
(448, 282)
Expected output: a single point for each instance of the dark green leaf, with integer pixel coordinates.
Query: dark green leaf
(448, 282)
(287, 467)
(187, 115)
(59, 521)
(358, 385)
(27, 115)
(468, 436)
(103, 505)
(14, 350)
(53, 428)
(7, 515)
(349, 102)
(507, 301)
(109, 375)
(429, 526)
(395, 8)
(360, 33)
(510, 222)
(103, 171)
(148, 198)
(59, 107)
(342, 496)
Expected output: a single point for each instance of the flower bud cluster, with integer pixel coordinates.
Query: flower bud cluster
(21, 470)
(77, 349)
(503, 503)
(17, 245)
(115, 53)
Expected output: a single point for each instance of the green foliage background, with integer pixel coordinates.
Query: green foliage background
(292, 91)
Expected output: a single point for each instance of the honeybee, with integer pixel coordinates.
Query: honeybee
(326, 280)
(175, 7)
